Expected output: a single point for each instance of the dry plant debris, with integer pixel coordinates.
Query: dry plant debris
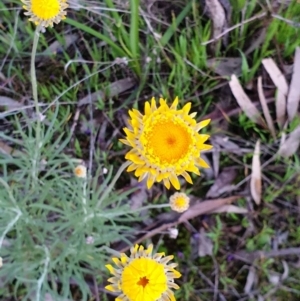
(294, 90)
(282, 89)
(255, 183)
(244, 101)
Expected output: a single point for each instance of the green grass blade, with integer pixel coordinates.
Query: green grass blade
(118, 51)
(171, 30)
(134, 32)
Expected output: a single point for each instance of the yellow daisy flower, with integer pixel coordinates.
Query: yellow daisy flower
(143, 276)
(45, 12)
(179, 202)
(165, 143)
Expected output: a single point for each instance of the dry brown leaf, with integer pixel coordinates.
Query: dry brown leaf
(217, 14)
(291, 144)
(111, 90)
(294, 91)
(257, 41)
(251, 256)
(227, 145)
(282, 89)
(216, 159)
(275, 278)
(265, 108)
(8, 150)
(255, 183)
(224, 180)
(205, 207)
(205, 244)
(9, 103)
(138, 197)
(251, 280)
(230, 209)
(244, 102)
(56, 46)
(225, 66)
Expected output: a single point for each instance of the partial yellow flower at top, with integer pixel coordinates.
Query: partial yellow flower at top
(165, 143)
(80, 171)
(45, 12)
(179, 202)
(143, 276)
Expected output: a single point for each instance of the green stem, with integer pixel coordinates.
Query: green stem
(84, 196)
(32, 70)
(36, 101)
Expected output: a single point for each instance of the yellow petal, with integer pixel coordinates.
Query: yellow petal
(116, 260)
(202, 163)
(149, 249)
(124, 141)
(111, 269)
(135, 158)
(167, 183)
(124, 258)
(159, 177)
(187, 177)
(194, 169)
(202, 138)
(202, 124)
(187, 108)
(153, 104)
(175, 182)
(140, 170)
(206, 147)
(150, 181)
(142, 177)
(162, 102)
(174, 104)
(129, 134)
(132, 167)
(111, 288)
(147, 108)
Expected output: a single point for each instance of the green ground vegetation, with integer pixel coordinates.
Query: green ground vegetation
(57, 231)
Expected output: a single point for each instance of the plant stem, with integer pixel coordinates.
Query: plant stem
(32, 70)
(36, 102)
(84, 196)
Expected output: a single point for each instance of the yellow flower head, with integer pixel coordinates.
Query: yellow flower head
(80, 171)
(143, 276)
(179, 202)
(45, 12)
(165, 143)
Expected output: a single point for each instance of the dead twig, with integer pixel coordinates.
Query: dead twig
(251, 256)
(234, 27)
(196, 210)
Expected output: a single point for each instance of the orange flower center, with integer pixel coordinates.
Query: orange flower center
(168, 141)
(143, 281)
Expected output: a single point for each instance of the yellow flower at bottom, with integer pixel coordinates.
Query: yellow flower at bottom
(179, 202)
(165, 143)
(45, 12)
(143, 276)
